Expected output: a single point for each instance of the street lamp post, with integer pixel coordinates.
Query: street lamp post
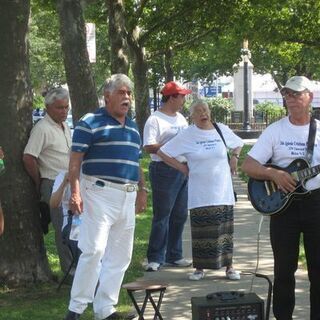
(246, 55)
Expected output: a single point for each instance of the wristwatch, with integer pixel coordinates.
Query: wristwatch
(145, 189)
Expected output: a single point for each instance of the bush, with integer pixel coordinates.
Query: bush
(220, 108)
(269, 112)
(270, 108)
(38, 101)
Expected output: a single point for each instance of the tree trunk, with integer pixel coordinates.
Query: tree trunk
(76, 60)
(140, 74)
(168, 65)
(155, 99)
(23, 257)
(118, 45)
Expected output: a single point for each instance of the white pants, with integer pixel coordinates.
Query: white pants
(106, 242)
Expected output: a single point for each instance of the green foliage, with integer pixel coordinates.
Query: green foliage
(185, 109)
(283, 39)
(46, 60)
(269, 107)
(210, 58)
(269, 112)
(38, 101)
(283, 36)
(220, 108)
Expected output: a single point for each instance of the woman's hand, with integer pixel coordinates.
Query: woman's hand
(184, 169)
(233, 165)
(141, 201)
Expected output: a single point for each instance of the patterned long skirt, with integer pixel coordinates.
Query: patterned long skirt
(212, 236)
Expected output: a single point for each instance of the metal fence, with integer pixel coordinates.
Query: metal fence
(259, 121)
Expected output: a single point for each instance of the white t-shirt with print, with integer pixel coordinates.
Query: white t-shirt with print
(285, 142)
(160, 128)
(210, 181)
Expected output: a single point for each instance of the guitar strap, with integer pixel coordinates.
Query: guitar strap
(311, 138)
(221, 135)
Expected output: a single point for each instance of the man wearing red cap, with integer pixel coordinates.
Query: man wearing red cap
(169, 186)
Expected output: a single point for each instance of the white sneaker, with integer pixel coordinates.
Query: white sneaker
(232, 274)
(152, 266)
(180, 263)
(196, 275)
(144, 263)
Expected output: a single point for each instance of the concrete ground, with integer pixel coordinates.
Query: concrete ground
(247, 257)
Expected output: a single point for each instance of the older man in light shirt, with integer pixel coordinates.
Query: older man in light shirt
(45, 155)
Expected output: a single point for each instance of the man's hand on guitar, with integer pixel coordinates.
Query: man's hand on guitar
(283, 180)
(271, 188)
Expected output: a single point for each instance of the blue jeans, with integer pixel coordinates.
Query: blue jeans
(301, 217)
(169, 196)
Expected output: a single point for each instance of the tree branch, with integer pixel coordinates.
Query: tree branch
(164, 21)
(143, 3)
(185, 43)
(134, 19)
(310, 43)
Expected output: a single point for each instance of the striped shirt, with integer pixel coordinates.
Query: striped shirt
(111, 150)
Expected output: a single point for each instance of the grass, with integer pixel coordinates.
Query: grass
(42, 301)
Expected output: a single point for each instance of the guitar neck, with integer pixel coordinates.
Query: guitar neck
(307, 173)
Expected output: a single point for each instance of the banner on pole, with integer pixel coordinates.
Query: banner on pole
(91, 41)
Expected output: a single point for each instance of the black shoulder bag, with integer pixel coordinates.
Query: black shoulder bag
(221, 135)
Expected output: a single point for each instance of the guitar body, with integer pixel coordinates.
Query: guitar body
(266, 198)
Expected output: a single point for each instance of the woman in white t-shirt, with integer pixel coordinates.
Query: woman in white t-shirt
(210, 190)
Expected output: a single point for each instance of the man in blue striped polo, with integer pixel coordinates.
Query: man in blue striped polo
(106, 147)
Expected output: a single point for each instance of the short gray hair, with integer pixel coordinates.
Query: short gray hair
(195, 103)
(116, 81)
(56, 94)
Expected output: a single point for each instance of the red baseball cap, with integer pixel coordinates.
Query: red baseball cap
(171, 88)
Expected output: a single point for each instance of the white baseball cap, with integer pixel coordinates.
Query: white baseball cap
(298, 83)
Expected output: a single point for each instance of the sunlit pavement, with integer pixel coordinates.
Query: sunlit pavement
(177, 299)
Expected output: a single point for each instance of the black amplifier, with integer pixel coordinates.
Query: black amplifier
(228, 305)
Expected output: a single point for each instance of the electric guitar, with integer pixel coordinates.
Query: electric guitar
(265, 196)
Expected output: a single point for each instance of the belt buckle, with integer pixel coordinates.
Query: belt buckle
(130, 187)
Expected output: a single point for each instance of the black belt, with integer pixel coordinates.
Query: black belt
(127, 187)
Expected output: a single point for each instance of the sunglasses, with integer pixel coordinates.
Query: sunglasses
(293, 94)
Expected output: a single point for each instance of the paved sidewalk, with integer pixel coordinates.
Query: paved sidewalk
(177, 300)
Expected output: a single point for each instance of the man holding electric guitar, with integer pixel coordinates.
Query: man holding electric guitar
(288, 191)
